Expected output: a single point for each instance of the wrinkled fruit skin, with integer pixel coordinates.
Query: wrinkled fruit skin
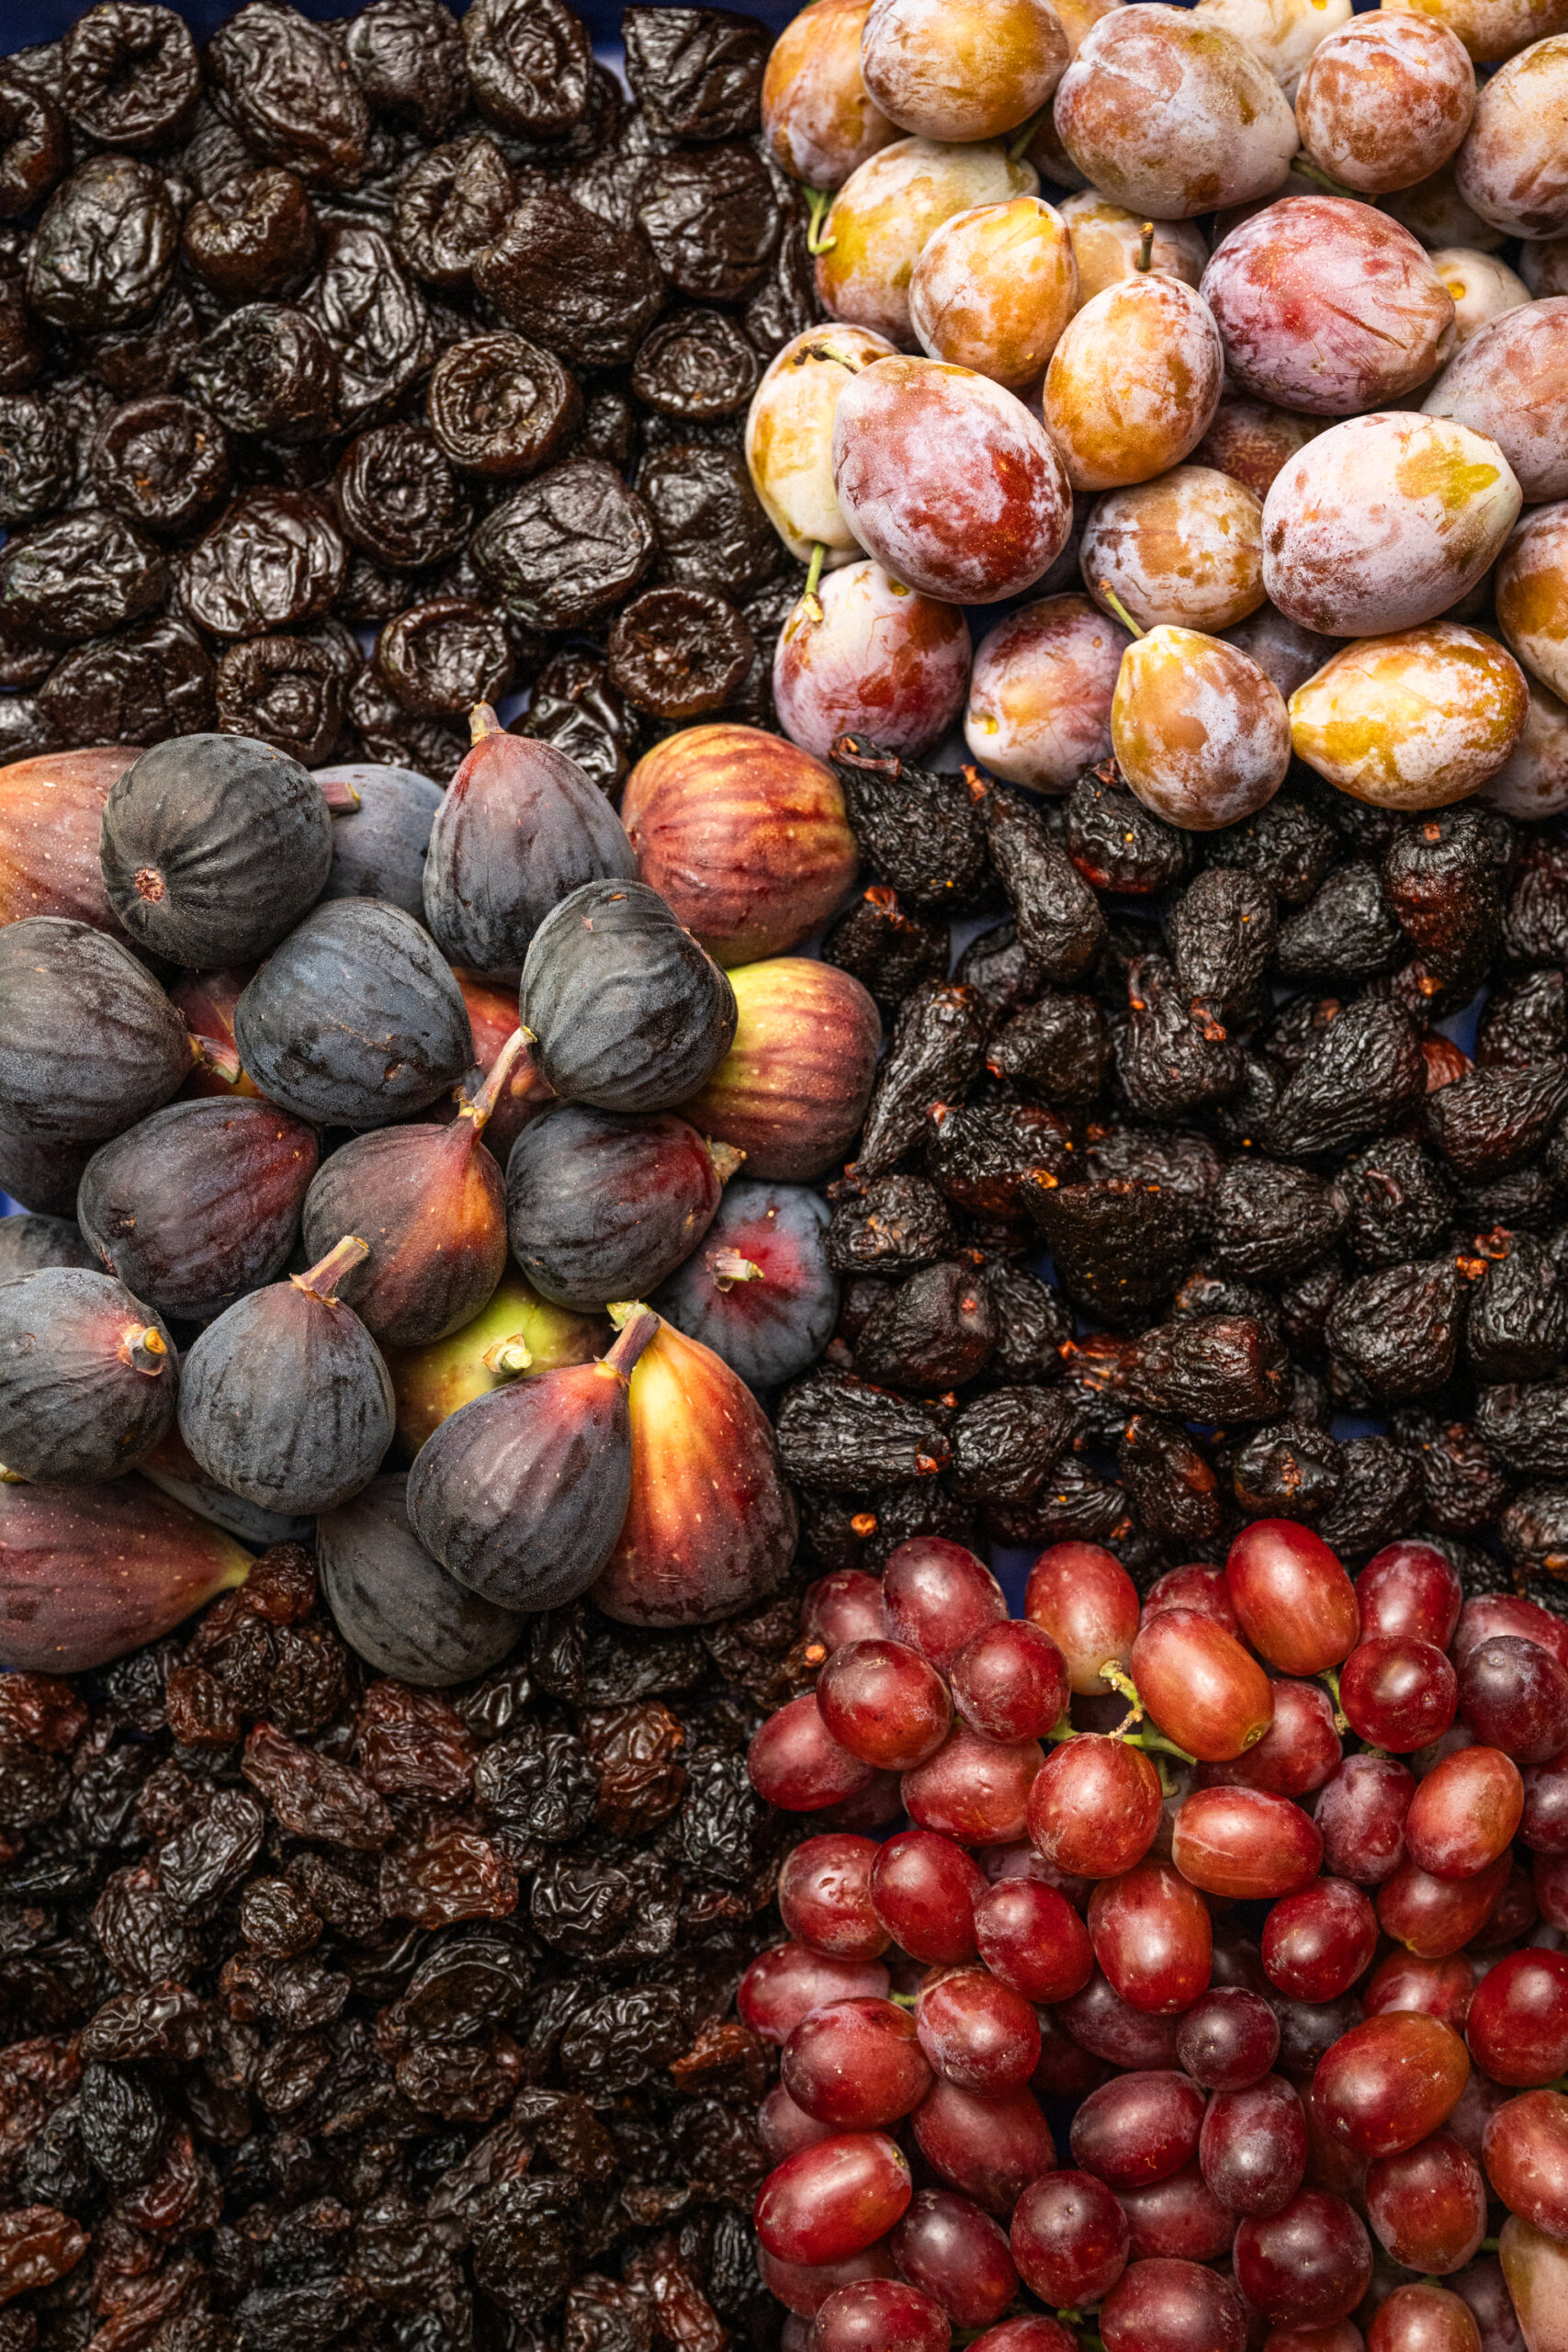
(86, 1576)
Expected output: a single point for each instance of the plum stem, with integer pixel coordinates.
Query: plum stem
(324, 1277)
(481, 1103)
(1302, 162)
(636, 1325)
(728, 1267)
(145, 1347)
(818, 203)
(483, 721)
(1118, 607)
(211, 1053)
(1017, 145)
(810, 603)
(338, 795)
(1146, 247)
(507, 1358)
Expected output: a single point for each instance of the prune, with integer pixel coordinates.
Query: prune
(104, 248)
(695, 362)
(1119, 1247)
(128, 74)
(451, 207)
(440, 659)
(288, 90)
(80, 574)
(576, 709)
(676, 652)
(35, 455)
(408, 58)
(34, 146)
(1397, 1331)
(284, 691)
(581, 286)
(275, 559)
(889, 949)
(375, 320)
(713, 532)
(500, 406)
(162, 463)
(561, 552)
(393, 736)
(1060, 921)
(530, 65)
(936, 1049)
(268, 368)
(1117, 843)
(1490, 1121)
(697, 72)
(712, 219)
(919, 829)
(253, 239)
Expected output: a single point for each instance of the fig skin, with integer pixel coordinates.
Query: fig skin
(492, 1018)
(29, 1243)
(213, 847)
(205, 1002)
(51, 813)
(792, 1091)
(88, 1384)
(601, 1206)
(711, 1525)
(519, 828)
(745, 836)
(89, 1574)
(379, 848)
(758, 1290)
(285, 1400)
(395, 1605)
(90, 1044)
(522, 1494)
(624, 1009)
(43, 1176)
(519, 1333)
(355, 1020)
(174, 1471)
(432, 1204)
(200, 1203)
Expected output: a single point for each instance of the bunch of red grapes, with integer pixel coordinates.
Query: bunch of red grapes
(1263, 1878)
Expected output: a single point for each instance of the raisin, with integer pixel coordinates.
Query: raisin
(312, 1795)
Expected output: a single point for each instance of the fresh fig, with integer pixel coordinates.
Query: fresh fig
(380, 845)
(792, 1092)
(42, 1176)
(285, 1400)
(758, 1290)
(492, 1018)
(213, 847)
(88, 1042)
(520, 826)
(711, 1525)
(623, 1008)
(520, 1495)
(744, 834)
(90, 1573)
(518, 1332)
(395, 1605)
(51, 813)
(205, 1002)
(27, 1244)
(174, 1470)
(355, 1020)
(432, 1204)
(86, 1382)
(200, 1203)
(601, 1206)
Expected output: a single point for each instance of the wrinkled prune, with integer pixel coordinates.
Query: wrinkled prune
(162, 463)
(34, 145)
(500, 406)
(678, 652)
(104, 248)
(408, 58)
(268, 368)
(451, 207)
(695, 362)
(570, 543)
(150, 680)
(441, 658)
(36, 458)
(713, 532)
(275, 557)
(712, 219)
(254, 238)
(288, 91)
(80, 574)
(530, 65)
(374, 318)
(696, 72)
(285, 691)
(128, 74)
(397, 498)
(583, 289)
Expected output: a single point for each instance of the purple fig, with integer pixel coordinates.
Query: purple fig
(758, 1289)
(397, 1606)
(51, 814)
(602, 1204)
(86, 1382)
(27, 1244)
(87, 1575)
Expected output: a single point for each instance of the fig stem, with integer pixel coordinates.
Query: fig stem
(818, 203)
(1118, 607)
(481, 1103)
(1146, 245)
(210, 1053)
(338, 795)
(810, 603)
(507, 1358)
(728, 1267)
(635, 1326)
(725, 1157)
(482, 721)
(340, 1260)
(146, 1349)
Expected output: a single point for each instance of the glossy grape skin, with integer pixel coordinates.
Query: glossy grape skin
(878, 660)
(844, 1607)
(1444, 1988)
(1361, 1814)
(1514, 1911)
(855, 2065)
(956, 2254)
(1317, 1943)
(1427, 2205)
(1039, 707)
(1420, 2317)
(804, 2287)
(1514, 1695)
(989, 2149)
(783, 2128)
(1179, 2305)
(1178, 2217)
(1069, 2238)
(1308, 2264)
(1433, 1917)
(1525, 2155)
(825, 1897)
(924, 1888)
(1505, 1612)
(1484, 2289)
(1549, 1876)
(794, 1762)
(936, 1596)
(1409, 1587)
(1517, 2027)
(1152, 1936)
(1033, 1938)
(977, 2032)
(1201, 1687)
(885, 1703)
(1398, 1693)
(1138, 2128)
(1300, 1751)
(975, 1790)
(1133, 382)
(1066, 2070)
(1391, 2081)
(1535, 2269)
(1228, 2039)
(1543, 1823)
(872, 2313)
(1033, 2333)
(1095, 1806)
(1009, 1683)
(1245, 1843)
(1253, 2146)
(1100, 2020)
(1465, 1813)
(1294, 1602)
(782, 1985)
(1193, 1585)
(833, 2200)
(1082, 1596)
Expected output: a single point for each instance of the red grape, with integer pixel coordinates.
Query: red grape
(1298, 1752)
(1486, 2290)
(1069, 2238)
(885, 1703)
(833, 2200)
(1195, 1585)
(825, 1897)
(924, 1889)
(855, 2065)
(1152, 1936)
(1409, 1589)
(1253, 2146)
(1513, 1915)
(1095, 1806)
(1465, 1813)
(1138, 2128)
(936, 1596)
(1180, 2215)
(989, 2148)
(1398, 1693)
(1033, 1938)
(1201, 1686)
(1228, 2040)
(1361, 1814)
(1308, 2264)
(875, 2312)
(1517, 2029)
(1478, 2103)
(1009, 1683)
(1316, 1943)
(1427, 2205)
(880, 1801)
(1543, 1823)
(783, 2127)
(1442, 1987)
(1434, 1916)
(1177, 2305)
(1308, 2030)
(804, 2287)
(844, 1607)
(1391, 2081)
(784, 1985)
(1549, 1876)
(1330, 2164)
(975, 1790)
(1295, 1603)
(957, 2254)
(1244, 1843)
(1032, 2332)
(1083, 1597)
(977, 2032)
(1343, 2335)
(1420, 2317)
(1066, 2070)
(1514, 1695)
(1507, 1612)
(796, 1764)
(1021, 1860)
(1100, 2019)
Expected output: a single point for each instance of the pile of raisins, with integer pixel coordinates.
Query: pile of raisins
(342, 2014)
(388, 331)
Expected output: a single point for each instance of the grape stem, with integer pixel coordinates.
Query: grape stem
(1110, 1672)
(1330, 1681)
(819, 202)
(1118, 607)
